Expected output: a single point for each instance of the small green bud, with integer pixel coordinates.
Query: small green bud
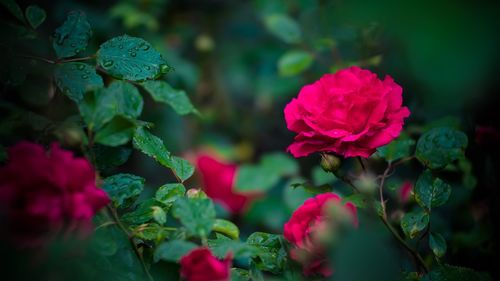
(330, 163)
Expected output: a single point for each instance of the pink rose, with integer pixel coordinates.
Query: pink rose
(201, 265)
(47, 193)
(218, 183)
(301, 228)
(349, 113)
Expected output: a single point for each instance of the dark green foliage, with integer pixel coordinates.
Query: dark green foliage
(123, 189)
(161, 91)
(440, 146)
(75, 78)
(196, 214)
(72, 37)
(131, 58)
(430, 191)
(414, 222)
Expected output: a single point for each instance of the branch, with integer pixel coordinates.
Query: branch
(416, 256)
(131, 240)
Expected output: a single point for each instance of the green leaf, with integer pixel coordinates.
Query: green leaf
(266, 174)
(360, 200)
(279, 163)
(255, 178)
(35, 15)
(196, 214)
(96, 108)
(321, 177)
(414, 222)
(440, 146)
(101, 105)
(159, 215)
(71, 38)
(238, 274)
(313, 189)
(227, 228)
(146, 211)
(283, 27)
(396, 149)
(223, 245)
(161, 91)
(108, 157)
(272, 254)
(131, 58)
(455, 273)
(126, 99)
(170, 192)
(437, 244)
(151, 231)
(181, 167)
(294, 62)
(153, 146)
(117, 132)
(123, 189)
(294, 197)
(13, 8)
(173, 250)
(76, 78)
(431, 192)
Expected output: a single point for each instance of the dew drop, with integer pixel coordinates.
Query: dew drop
(133, 54)
(164, 68)
(85, 76)
(80, 66)
(108, 63)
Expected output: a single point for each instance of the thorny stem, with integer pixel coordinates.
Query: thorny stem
(418, 259)
(56, 61)
(416, 256)
(131, 240)
(381, 190)
(361, 163)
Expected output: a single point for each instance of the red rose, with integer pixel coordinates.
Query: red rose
(201, 265)
(45, 194)
(350, 113)
(301, 228)
(218, 183)
(405, 191)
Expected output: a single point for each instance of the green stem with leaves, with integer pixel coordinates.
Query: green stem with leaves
(418, 259)
(416, 256)
(114, 214)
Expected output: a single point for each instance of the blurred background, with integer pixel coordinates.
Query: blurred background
(241, 62)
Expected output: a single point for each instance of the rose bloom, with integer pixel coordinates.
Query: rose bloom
(201, 265)
(218, 179)
(303, 226)
(349, 113)
(44, 194)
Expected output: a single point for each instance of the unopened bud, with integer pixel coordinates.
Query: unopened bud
(330, 163)
(195, 193)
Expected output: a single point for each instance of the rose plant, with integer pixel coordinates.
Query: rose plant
(71, 169)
